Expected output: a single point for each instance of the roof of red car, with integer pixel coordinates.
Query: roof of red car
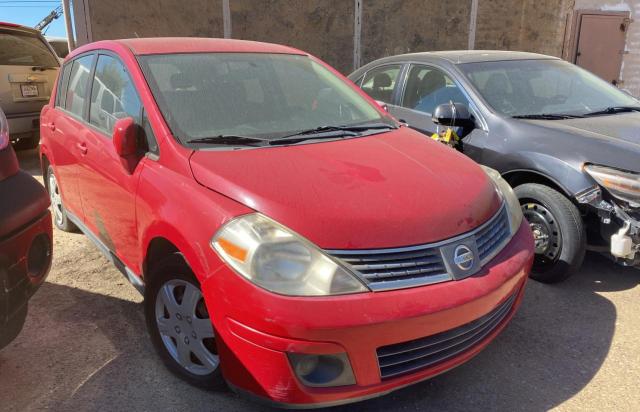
(166, 45)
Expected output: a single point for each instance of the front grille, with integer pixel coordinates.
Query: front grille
(493, 235)
(402, 358)
(384, 269)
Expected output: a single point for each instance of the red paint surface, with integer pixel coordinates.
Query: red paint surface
(392, 189)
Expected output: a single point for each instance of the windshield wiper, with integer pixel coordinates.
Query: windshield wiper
(330, 132)
(614, 109)
(229, 139)
(548, 116)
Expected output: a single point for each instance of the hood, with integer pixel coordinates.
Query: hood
(387, 190)
(622, 126)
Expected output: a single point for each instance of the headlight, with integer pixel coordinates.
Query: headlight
(273, 257)
(509, 197)
(621, 184)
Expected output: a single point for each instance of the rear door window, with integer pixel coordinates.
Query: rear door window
(23, 49)
(113, 95)
(380, 82)
(78, 85)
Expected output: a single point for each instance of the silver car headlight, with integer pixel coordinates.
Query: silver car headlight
(274, 258)
(508, 196)
(621, 184)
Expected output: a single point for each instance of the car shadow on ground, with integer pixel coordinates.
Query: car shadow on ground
(88, 351)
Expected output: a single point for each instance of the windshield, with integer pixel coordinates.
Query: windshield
(543, 87)
(21, 49)
(257, 95)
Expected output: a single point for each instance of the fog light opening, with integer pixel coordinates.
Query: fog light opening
(322, 370)
(39, 256)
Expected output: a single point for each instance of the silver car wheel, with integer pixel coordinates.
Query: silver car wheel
(185, 327)
(56, 200)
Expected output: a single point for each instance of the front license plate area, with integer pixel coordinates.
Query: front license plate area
(29, 90)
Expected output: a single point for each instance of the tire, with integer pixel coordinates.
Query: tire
(551, 214)
(60, 218)
(179, 341)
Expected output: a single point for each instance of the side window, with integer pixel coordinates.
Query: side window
(428, 87)
(78, 85)
(63, 82)
(113, 95)
(379, 82)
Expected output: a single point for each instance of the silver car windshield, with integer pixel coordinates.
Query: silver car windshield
(257, 95)
(546, 87)
(22, 49)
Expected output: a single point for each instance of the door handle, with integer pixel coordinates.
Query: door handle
(82, 147)
(52, 126)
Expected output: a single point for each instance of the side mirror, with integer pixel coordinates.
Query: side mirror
(453, 115)
(124, 141)
(383, 105)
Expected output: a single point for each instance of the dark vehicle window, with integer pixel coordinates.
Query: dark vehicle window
(113, 95)
(78, 85)
(534, 87)
(380, 82)
(251, 94)
(23, 49)
(428, 87)
(62, 84)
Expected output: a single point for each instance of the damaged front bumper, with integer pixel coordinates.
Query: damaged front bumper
(619, 226)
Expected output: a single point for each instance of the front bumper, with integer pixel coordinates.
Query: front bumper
(256, 332)
(20, 277)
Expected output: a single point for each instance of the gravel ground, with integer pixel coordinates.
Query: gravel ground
(573, 346)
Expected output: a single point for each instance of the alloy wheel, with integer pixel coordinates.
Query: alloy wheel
(56, 200)
(185, 327)
(546, 232)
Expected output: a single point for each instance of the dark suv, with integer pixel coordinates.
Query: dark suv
(25, 239)
(567, 141)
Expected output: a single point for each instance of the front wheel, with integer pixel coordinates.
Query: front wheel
(60, 218)
(558, 231)
(179, 323)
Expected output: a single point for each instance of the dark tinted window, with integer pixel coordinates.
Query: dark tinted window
(63, 83)
(78, 85)
(428, 87)
(113, 95)
(380, 82)
(21, 49)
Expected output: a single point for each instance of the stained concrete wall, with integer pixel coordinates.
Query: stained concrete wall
(526, 25)
(323, 28)
(326, 28)
(114, 19)
(402, 26)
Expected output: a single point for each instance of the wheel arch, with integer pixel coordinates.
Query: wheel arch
(521, 176)
(163, 239)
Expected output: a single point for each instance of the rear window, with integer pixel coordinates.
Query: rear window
(21, 49)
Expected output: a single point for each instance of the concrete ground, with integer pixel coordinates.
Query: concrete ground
(573, 346)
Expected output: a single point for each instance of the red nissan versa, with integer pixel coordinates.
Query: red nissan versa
(25, 238)
(289, 236)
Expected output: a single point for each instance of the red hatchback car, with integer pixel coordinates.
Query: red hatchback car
(289, 236)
